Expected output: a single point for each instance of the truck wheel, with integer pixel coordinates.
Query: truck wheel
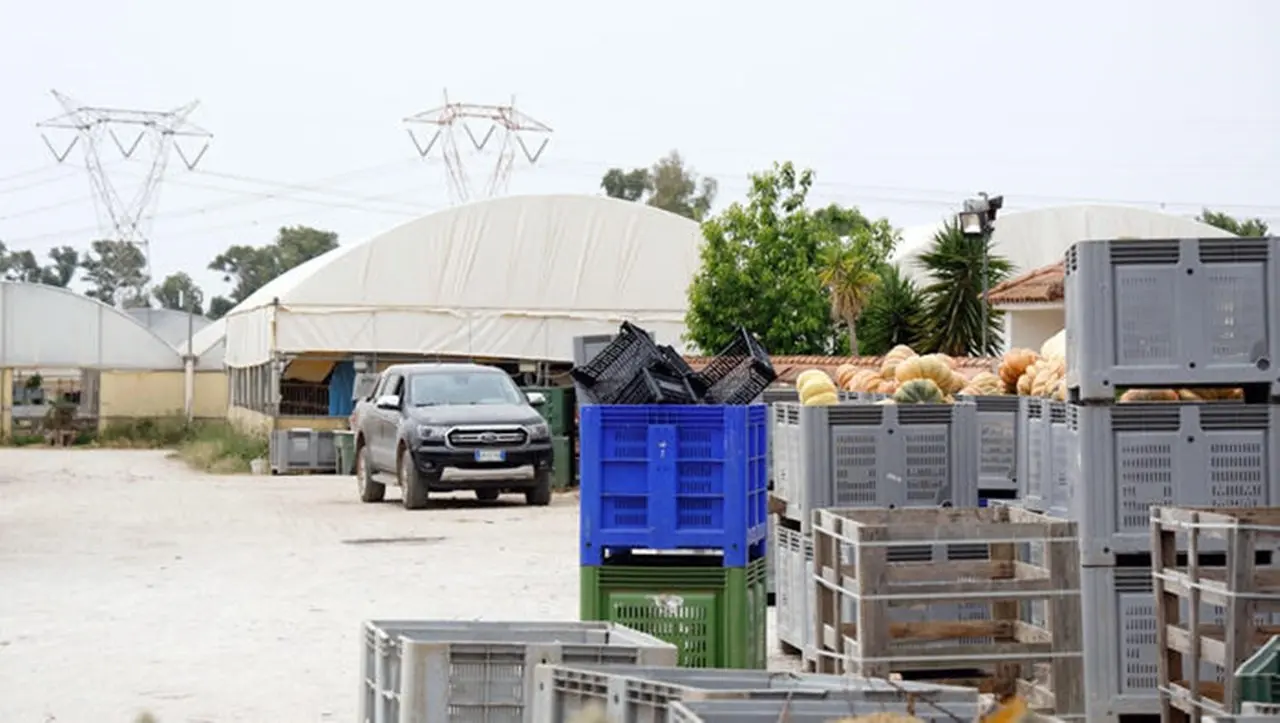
(413, 489)
(370, 491)
(540, 494)
(486, 495)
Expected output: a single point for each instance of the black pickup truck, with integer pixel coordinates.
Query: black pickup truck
(446, 427)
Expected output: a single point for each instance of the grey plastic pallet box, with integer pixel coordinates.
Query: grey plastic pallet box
(1041, 457)
(997, 441)
(814, 711)
(641, 694)
(1120, 652)
(429, 671)
(303, 450)
(1172, 313)
(1128, 457)
(871, 455)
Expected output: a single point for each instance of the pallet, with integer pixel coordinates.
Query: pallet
(1003, 648)
(1243, 588)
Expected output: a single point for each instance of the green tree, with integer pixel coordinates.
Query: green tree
(1254, 227)
(849, 273)
(24, 266)
(669, 184)
(758, 264)
(954, 299)
(249, 268)
(894, 314)
(65, 261)
(177, 291)
(116, 272)
(219, 306)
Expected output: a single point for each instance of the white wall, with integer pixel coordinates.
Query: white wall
(1030, 326)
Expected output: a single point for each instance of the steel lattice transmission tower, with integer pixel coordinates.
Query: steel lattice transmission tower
(510, 125)
(143, 135)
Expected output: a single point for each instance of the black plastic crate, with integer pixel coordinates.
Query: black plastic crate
(740, 373)
(682, 369)
(656, 385)
(618, 365)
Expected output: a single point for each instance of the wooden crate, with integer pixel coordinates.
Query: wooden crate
(853, 570)
(1242, 587)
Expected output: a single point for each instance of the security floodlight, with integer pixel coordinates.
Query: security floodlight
(978, 220)
(971, 223)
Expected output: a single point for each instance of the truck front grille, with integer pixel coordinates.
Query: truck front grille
(487, 437)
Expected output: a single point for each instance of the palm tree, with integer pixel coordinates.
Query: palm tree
(953, 302)
(893, 315)
(849, 272)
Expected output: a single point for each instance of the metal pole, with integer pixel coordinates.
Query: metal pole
(986, 249)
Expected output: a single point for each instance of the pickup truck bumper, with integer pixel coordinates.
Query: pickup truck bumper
(446, 467)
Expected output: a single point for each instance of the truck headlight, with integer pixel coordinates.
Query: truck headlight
(539, 432)
(431, 432)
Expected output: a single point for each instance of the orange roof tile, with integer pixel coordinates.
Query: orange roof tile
(1042, 285)
(789, 367)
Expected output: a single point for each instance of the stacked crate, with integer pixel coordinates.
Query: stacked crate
(674, 526)
(1169, 314)
(862, 455)
(560, 411)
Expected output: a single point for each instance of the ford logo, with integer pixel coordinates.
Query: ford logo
(488, 438)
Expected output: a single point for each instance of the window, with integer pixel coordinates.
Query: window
(463, 388)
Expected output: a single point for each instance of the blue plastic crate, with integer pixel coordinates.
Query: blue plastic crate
(674, 478)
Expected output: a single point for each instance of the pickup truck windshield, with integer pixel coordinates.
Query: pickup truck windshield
(427, 390)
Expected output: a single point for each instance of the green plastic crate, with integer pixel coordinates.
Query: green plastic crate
(1257, 680)
(558, 410)
(715, 616)
(563, 466)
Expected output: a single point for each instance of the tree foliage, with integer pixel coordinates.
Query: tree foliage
(178, 292)
(24, 266)
(249, 268)
(954, 299)
(894, 314)
(669, 184)
(1254, 227)
(116, 272)
(759, 264)
(849, 267)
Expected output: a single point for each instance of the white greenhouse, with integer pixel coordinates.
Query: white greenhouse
(514, 278)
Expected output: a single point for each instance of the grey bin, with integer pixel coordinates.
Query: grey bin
(1172, 313)
(1118, 607)
(814, 711)
(303, 450)
(1040, 461)
(640, 694)
(997, 441)
(481, 672)
(1125, 458)
(870, 455)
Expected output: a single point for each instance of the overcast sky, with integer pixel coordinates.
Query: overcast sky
(902, 107)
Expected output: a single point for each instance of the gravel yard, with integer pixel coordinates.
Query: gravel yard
(130, 583)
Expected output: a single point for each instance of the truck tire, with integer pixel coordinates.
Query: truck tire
(486, 495)
(370, 490)
(413, 489)
(540, 494)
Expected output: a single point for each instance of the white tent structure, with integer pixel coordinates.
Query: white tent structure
(169, 324)
(515, 277)
(47, 326)
(1031, 239)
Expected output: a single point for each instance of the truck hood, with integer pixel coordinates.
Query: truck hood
(476, 414)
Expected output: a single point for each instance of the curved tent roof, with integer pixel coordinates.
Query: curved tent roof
(48, 326)
(514, 277)
(169, 324)
(1032, 239)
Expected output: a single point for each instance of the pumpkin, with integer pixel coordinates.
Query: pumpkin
(955, 383)
(1149, 395)
(1060, 390)
(822, 399)
(886, 386)
(935, 367)
(843, 373)
(886, 401)
(909, 369)
(862, 381)
(951, 362)
(1044, 381)
(896, 356)
(808, 374)
(816, 385)
(918, 391)
(1221, 393)
(1187, 395)
(1023, 387)
(1055, 347)
(1014, 365)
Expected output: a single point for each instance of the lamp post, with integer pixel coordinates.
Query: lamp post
(978, 220)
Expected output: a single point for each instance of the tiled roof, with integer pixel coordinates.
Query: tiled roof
(789, 367)
(1043, 285)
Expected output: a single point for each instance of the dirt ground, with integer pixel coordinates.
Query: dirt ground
(130, 583)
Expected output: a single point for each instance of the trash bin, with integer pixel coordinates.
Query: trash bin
(345, 444)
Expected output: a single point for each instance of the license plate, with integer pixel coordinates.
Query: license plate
(491, 455)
